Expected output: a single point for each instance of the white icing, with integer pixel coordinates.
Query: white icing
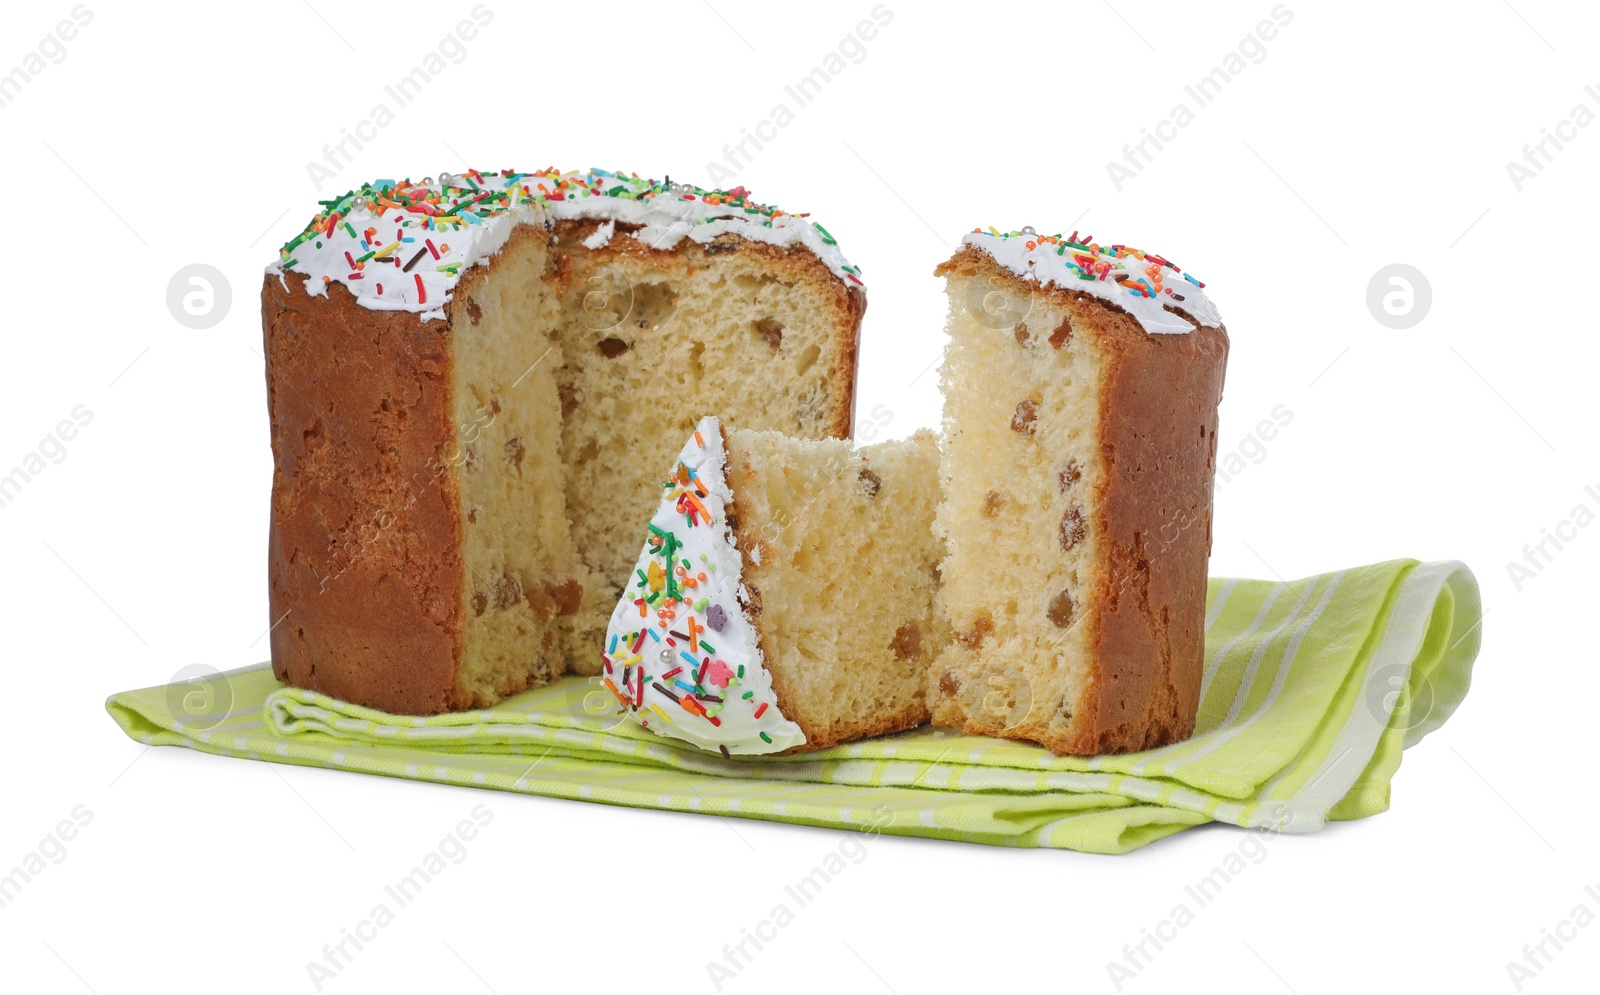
(709, 547)
(1026, 255)
(601, 236)
(462, 239)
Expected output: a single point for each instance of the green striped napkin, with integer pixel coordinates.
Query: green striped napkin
(1312, 689)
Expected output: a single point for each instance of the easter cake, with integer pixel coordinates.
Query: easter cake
(473, 381)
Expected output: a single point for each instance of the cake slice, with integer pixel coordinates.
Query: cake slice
(784, 598)
(1081, 388)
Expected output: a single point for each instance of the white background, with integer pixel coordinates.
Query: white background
(1369, 134)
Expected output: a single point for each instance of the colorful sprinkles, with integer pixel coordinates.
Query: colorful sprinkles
(455, 220)
(677, 595)
(1145, 284)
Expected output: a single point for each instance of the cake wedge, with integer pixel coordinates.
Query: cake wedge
(784, 596)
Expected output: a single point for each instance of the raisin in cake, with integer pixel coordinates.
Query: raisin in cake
(1081, 387)
(473, 382)
(783, 600)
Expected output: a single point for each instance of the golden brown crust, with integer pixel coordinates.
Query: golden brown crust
(848, 337)
(364, 561)
(1158, 410)
(1145, 607)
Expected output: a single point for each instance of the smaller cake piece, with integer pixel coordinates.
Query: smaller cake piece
(1081, 387)
(783, 600)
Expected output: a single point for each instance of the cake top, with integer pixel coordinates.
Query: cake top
(402, 246)
(682, 655)
(1141, 283)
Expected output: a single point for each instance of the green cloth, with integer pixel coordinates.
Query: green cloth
(1312, 689)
